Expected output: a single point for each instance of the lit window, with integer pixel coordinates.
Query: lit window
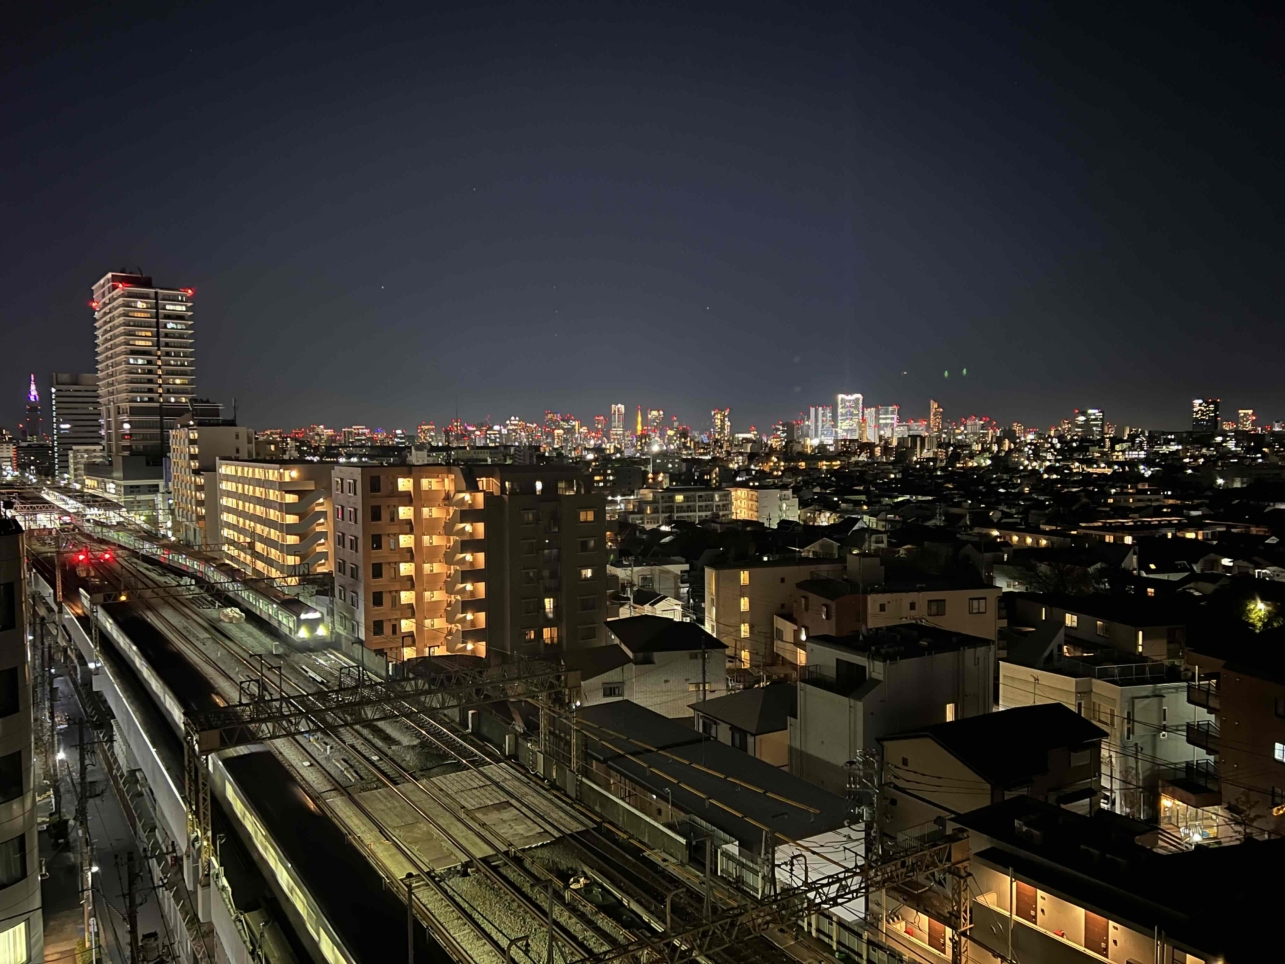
(745, 577)
(745, 630)
(14, 947)
(1139, 640)
(1072, 621)
(1101, 627)
(745, 604)
(550, 635)
(586, 515)
(1280, 753)
(586, 574)
(550, 607)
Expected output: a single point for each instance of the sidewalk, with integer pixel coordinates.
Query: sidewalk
(112, 843)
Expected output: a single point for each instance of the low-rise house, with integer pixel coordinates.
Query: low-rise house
(755, 720)
(1046, 751)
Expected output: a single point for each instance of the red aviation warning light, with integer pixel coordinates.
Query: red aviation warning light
(188, 291)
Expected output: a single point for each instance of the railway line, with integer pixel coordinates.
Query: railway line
(498, 899)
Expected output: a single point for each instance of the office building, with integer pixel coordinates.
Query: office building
(36, 458)
(1089, 424)
(1204, 415)
(194, 454)
(821, 423)
(274, 517)
(617, 426)
(1245, 420)
(32, 428)
(77, 419)
(21, 928)
(146, 361)
(768, 506)
(934, 417)
(888, 415)
(850, 413)
(498, 560)
(80, 456)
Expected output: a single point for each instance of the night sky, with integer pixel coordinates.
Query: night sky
(393, 213)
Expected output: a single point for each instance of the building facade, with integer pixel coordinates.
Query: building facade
(741, 599)
(495, 560)
(768, 506)
(146, 360)
(274, 517)
(21, 929)
(850, 409)
(194, 491)
(1205, 414)
(77, 418)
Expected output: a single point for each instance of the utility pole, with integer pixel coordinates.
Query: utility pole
(82, 824)
(131, 908)
(51, 695)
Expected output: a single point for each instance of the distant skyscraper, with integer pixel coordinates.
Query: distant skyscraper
(934, 416)
(821, 423)
(618, 425)
(888, 416)
(1089, 424)
(1245, 419)
(655, 421)
(76, 416)
(1204, 414)
(426, 432)
(721, 436)
(850, 411)
(146, 361)
(32, 427)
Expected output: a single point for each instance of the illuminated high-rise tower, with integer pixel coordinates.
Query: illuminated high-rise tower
(850, 411)
(1204, 414)
(721, 435)
(618, 425)
(32, 426)
(146, 361)
(934, 416)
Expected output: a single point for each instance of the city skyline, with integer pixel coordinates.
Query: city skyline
(710, 186)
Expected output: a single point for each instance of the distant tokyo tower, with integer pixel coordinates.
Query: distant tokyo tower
(30, 430)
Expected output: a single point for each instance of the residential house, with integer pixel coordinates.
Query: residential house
(756, 720)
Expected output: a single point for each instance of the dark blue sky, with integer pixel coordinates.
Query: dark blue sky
(393, 211)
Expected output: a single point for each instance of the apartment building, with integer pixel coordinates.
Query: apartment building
(21, 928)
(194, 454)
(839, 606)
(1240, 790)
(274, 517)
(1046, 884)
(855, 689)
(1145, 626)
(497, 560)
(742, 598)
(768, 506)
(688, 503)
(1141, 704)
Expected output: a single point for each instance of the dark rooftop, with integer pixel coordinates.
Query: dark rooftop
(902, 642)
(761, 709)
(657, 634)
(1008, 747)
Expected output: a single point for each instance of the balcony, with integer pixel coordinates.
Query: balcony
(1204, 695)
(1204, 736)
(1194, 783)
(824, 678)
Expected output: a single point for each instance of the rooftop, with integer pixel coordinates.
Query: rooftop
(658, 634)
(735, 792)
(1008, 747)
(762, 709)
(1195, 898)
(905, 641)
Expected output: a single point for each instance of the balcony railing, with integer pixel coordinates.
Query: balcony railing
(1204, 694)
(1205, 736)
(824, 678)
